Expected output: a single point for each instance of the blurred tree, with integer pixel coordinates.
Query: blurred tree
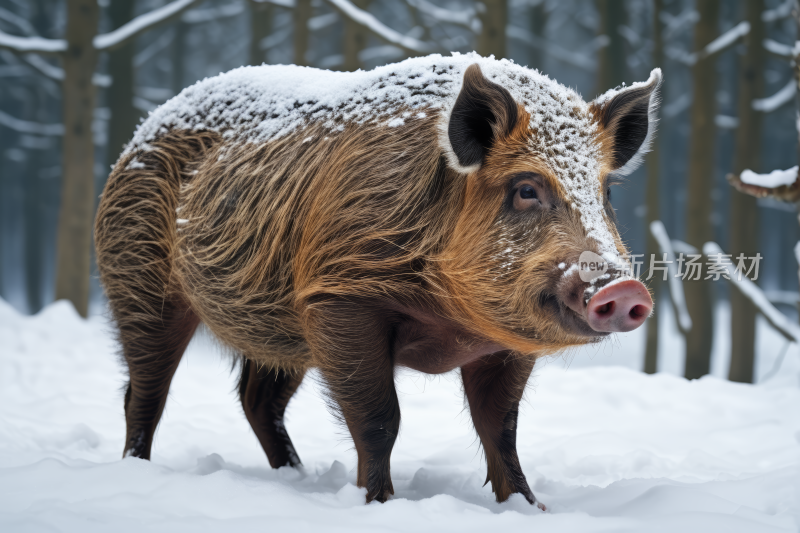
(79, 53)
(652, 205)
(124, 116)
(702, 145)
(260, 27)
(538, 13)
(743, 223)
(494, 18)
(302, 14)
(177, 58)
(611, 70)
(354, 39)
(73, 247)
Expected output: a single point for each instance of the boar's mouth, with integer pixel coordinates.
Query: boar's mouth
(571, 321)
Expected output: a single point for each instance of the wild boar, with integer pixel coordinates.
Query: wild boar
(428, 214)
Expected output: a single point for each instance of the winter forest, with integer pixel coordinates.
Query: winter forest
(720, 183)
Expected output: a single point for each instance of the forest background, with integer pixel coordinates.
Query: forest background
(76, 76)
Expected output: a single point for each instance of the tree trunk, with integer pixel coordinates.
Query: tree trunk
(492, 39)
(700, 184)
(302, 13)
(653, 208)
(354, 40)
(538, 27)
(612, 71)
(260, 27)
(124, 117)
(77, 187)
(744, 209)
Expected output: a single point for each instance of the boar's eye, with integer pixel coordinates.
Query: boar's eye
(525, 197)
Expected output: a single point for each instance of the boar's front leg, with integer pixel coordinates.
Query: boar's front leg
(351, 347)
(494, 385)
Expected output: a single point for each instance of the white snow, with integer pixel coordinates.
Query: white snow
(32, 44)
(140, 24)
(259, 104)
(776, 178)
(605, 447)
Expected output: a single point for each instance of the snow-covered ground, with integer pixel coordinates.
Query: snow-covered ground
(606, 447)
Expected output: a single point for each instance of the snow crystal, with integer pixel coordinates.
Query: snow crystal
(776, 178)
(262, 103)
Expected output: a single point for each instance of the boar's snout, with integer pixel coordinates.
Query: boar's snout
(619, 307)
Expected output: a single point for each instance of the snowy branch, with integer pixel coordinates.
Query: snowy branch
(32, 128)
(782, 97)
(775, 185)
(57, 73)
(753, 292)
(783, 11)
(366, 20)
(723, 42)
(778, 49)
(678, 298)
(468, 18)
(562, 54)
(196, 16)
(140, 24)
(38, 45)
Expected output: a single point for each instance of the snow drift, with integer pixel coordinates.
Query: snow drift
(606, 448)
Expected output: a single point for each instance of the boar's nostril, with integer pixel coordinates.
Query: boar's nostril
(605, 308)
(639, 311)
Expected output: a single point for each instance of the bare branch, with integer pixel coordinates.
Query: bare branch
(366, 20)
(141, 24)
(38, 45)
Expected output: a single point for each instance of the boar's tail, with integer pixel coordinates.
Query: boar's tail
(136, 225)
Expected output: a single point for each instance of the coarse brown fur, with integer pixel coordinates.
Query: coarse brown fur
(352, 252)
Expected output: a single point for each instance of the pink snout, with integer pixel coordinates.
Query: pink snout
(619, 307)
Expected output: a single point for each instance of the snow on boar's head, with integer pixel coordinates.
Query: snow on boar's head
(536, 261)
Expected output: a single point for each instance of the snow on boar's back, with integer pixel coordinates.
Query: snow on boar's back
(439, 213)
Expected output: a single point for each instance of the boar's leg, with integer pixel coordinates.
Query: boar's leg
(265, 393)
(351, 344)
(152, 347)
(494, 385)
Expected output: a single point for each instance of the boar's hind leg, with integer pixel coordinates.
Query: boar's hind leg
(152, 347)
(352, 347)
(494, 387)
(265, 393)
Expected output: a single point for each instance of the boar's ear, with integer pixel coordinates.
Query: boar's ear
(483, 113)
(628, 118)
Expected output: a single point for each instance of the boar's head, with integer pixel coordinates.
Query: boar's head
(537, 205)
